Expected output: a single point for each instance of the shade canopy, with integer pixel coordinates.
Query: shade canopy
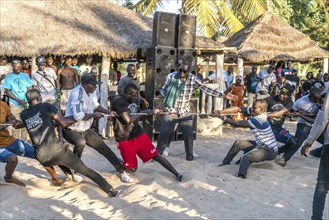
(269, 37)
(62, 27)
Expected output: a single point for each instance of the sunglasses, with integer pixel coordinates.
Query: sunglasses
(184, 71)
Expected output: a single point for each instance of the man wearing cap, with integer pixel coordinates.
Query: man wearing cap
(84, 108)
(177, 92)
(67, 78)
(278, 107)
(266, 77)
(16, 86)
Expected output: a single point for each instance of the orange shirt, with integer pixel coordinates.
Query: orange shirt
(238, 91)
(5, 138)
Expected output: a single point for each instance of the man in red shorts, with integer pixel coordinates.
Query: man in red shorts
(129, 134)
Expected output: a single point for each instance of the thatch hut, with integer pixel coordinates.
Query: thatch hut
(269, 37)
(30, 28)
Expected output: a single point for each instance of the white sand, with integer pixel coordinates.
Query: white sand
(206, 192)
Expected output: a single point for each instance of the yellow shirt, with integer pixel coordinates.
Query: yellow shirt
(5, 138)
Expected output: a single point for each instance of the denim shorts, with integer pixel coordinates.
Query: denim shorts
(19, 148)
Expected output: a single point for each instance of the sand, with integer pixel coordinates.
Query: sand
(206, 192)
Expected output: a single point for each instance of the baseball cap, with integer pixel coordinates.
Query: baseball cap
(238, 77)
(40, 60)
(288, 89)
(89, 78)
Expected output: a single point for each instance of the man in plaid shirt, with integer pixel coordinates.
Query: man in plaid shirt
(177, 92)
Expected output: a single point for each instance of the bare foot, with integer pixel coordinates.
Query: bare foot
(56, 182)
(14, 180)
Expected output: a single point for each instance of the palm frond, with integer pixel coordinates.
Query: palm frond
(207, 16)
(228, 20)
(249, 9)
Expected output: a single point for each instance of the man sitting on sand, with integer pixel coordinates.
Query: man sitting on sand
(129, 134)
(38, 120)
(262, 149)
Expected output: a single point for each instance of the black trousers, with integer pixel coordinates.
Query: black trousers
(91, 138)
(68, 159)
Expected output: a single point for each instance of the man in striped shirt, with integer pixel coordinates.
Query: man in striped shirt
(263, 148)
(177, 92)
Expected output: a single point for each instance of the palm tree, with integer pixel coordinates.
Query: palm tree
(228, 16)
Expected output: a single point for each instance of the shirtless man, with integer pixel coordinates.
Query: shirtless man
(67, 76)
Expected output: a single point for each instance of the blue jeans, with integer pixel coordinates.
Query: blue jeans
(168, 127)
(19, 148)
(322, 185)
(281, 134)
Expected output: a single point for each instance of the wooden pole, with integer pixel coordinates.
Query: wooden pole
(325, 66)
(104, 93)
(240, 67)
(218, 102)
(34, 66)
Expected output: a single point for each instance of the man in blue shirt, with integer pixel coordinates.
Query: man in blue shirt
(16, 85)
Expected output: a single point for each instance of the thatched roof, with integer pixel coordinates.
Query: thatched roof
(29, 28)
(269, 37)
(205, 43)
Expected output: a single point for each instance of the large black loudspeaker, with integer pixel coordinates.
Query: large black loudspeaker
(186, 30)
(164, 29)
(189, 55)
(152, 124)
(160, 62)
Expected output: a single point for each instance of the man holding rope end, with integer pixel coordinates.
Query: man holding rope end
(177, 92)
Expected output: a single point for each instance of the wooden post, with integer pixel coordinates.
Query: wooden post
(325, 65)
(104, 93)
(34, 66)
(207, 68)
(240, 67)
(220, 80)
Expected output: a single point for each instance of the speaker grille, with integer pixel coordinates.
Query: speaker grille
(186, 31)
(188, 55)
(160, 62)
(164, 29)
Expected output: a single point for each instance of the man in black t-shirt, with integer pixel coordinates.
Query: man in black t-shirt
(130, 136)
(278, 107)
(38, 120)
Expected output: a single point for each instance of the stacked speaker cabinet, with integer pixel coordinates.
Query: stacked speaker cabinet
(160, 61)
(164, 29)
(186, 30)
(185, 41)
(151, 124)
(189, 55)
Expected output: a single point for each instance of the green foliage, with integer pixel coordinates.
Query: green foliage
(226, 17)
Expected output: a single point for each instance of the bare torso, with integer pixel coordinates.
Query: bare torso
(67, 76)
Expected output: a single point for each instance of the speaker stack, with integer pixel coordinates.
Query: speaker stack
(185, 41)
(173, 42)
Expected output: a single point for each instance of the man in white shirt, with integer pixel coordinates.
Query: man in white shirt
(45, 80)
(266, 77)
(84, 108)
